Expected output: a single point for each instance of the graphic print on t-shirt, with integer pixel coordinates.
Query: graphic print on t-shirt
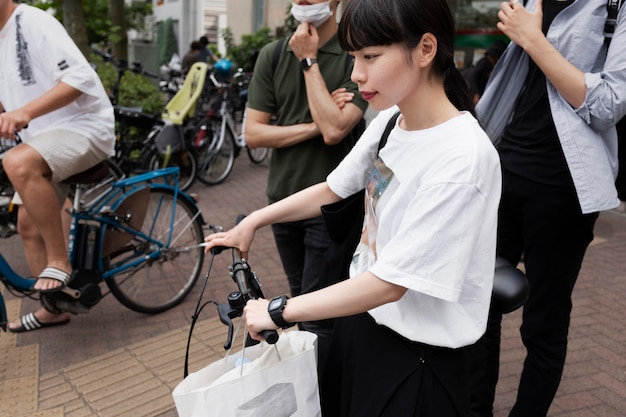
(23, 65)
(381, 180)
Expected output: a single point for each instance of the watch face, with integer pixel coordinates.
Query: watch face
(275, 303)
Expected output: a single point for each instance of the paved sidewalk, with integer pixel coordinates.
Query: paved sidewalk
(115, 362)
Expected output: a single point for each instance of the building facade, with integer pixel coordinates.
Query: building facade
(193, 18)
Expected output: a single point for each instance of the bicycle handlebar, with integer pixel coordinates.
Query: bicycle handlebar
(249, 287)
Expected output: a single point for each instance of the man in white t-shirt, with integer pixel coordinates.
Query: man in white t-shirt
(53, 98)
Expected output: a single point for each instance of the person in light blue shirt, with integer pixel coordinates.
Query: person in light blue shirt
(550, 107)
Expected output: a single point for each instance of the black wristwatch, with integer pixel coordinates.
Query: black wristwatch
(307, 63)
(275, 308)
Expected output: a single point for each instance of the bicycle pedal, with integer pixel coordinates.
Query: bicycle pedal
(74, 293)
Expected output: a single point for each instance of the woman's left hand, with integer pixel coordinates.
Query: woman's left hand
(257, 318)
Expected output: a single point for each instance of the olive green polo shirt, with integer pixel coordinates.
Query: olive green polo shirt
(283, 92)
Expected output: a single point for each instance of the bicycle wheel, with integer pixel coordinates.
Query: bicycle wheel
(158, 285)
(185, 160)
(215, 163)
(257, 155)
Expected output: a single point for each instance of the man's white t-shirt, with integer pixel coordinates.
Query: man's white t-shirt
(35, 54)
(430, 225)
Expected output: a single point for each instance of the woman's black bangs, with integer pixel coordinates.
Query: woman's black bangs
(361, 27)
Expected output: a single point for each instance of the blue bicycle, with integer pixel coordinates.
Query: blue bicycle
(142, 236)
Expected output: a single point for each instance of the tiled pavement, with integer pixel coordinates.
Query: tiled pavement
(115, 362)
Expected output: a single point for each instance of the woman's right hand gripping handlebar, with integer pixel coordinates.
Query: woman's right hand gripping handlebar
(256, 316)
(239, 237)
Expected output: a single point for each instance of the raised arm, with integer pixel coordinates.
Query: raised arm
(524, 28)
(58, 96)
(261, 133)
(334, 121)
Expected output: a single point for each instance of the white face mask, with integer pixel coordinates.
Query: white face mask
(315, 14)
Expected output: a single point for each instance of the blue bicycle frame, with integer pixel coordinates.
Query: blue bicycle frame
(100, 212)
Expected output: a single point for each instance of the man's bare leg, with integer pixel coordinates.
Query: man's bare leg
(30, 176)
(35, 254)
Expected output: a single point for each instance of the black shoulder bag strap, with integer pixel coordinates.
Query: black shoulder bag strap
(344, 218)
(390, 125)
(612, 8)
(344, 222)
(277, 52)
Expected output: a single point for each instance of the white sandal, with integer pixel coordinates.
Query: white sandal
(56, 274)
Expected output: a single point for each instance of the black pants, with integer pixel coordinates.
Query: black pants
(304, 248)
(544, 224)
(372, 371)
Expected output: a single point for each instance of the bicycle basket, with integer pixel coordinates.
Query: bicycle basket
(170, 140)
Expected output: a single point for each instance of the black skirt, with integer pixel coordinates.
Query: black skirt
(373, 371)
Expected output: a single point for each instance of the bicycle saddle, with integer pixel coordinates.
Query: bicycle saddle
(510, 287)
(89, 176)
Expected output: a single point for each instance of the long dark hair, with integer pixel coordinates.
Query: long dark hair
(386, 22)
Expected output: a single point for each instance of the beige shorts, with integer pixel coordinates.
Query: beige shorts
(66, 153)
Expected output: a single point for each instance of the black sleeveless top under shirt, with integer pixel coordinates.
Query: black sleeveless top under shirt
(530, 146)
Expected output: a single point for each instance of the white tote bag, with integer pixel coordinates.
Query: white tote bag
(274, 381)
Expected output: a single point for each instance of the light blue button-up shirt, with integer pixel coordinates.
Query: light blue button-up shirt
(587, 134)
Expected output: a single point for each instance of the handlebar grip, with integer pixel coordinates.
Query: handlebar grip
(270, 336)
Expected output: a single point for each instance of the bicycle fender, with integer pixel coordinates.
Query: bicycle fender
(131, 209)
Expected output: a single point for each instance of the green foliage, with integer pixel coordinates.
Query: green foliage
(99, 26)
(135, 90)
(243, 54)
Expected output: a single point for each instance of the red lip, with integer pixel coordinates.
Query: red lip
(367, 95)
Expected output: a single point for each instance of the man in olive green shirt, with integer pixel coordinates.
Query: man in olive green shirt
(307, 86)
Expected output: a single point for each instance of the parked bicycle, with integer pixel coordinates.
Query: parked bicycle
(172, 78)
(217, 141)
(142, 236)
(168, 142)
(132, 124)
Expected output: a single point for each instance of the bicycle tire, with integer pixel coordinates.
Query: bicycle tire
(257, 155)
(214, 165)
(158, 285)
(186, 161)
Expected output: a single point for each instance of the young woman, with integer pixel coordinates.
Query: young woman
(421, 278)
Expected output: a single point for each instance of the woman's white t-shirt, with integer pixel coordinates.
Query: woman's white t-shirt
(430, 225)
(36, 53)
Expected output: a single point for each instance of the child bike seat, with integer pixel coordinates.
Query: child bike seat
(183, 104)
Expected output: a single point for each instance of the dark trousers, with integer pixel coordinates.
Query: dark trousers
(303, 249)
(545, 225)
(373, 371)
